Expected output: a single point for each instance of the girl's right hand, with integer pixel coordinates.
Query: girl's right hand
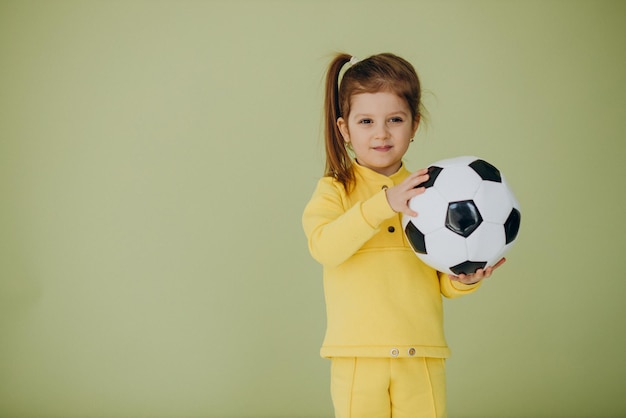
(399, 196)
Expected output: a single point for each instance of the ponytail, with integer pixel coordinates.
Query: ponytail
(338, 162)
(381, 72)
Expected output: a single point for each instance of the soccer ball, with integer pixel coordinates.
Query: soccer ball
(468, 217)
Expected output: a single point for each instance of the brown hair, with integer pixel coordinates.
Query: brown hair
(382, 72)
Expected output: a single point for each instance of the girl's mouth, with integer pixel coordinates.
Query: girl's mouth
(383, 148)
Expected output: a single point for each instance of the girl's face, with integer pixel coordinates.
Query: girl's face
(379, 128)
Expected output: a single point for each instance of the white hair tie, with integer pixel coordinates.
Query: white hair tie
(354, 60)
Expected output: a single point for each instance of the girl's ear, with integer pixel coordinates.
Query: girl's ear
(416, 124)
(343, 128)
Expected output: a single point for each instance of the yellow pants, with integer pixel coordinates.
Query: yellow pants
(388, 387)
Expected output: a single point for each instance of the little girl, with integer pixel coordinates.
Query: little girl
(384, 306)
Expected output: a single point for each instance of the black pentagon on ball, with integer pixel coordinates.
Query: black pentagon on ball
(416, 238)
(511, 225)
(463, 217)
(486, 171)
(468, 267)
(433, 172)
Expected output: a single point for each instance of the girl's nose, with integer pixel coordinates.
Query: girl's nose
(381, 132)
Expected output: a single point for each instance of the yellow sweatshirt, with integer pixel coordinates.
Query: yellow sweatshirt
(381, 299)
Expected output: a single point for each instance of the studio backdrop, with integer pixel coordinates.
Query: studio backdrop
(156, 156)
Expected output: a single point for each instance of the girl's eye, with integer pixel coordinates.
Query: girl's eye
(395, 120)
(365, 121)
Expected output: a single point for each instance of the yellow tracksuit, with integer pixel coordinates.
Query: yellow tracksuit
(382, 301)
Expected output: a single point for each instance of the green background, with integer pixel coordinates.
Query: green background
(155, 158)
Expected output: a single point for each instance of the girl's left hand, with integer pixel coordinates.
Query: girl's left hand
(478, 276)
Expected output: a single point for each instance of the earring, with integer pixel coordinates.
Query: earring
(412, 140)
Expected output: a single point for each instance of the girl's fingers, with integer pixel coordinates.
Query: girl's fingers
(408, 211)
(416, 191)
(479, 275)
(421, 179)
(499, 263)
(416, 178)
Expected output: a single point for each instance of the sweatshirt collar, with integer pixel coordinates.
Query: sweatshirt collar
(372, 176)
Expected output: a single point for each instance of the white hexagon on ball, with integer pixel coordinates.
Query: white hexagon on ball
(431, 211)
(494, 201)
(457, 183)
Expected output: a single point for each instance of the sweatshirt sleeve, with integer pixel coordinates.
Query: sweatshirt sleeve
(335, 233)
(452, 289)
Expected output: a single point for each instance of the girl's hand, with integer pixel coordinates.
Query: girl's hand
(478, 276)
(399, 196)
